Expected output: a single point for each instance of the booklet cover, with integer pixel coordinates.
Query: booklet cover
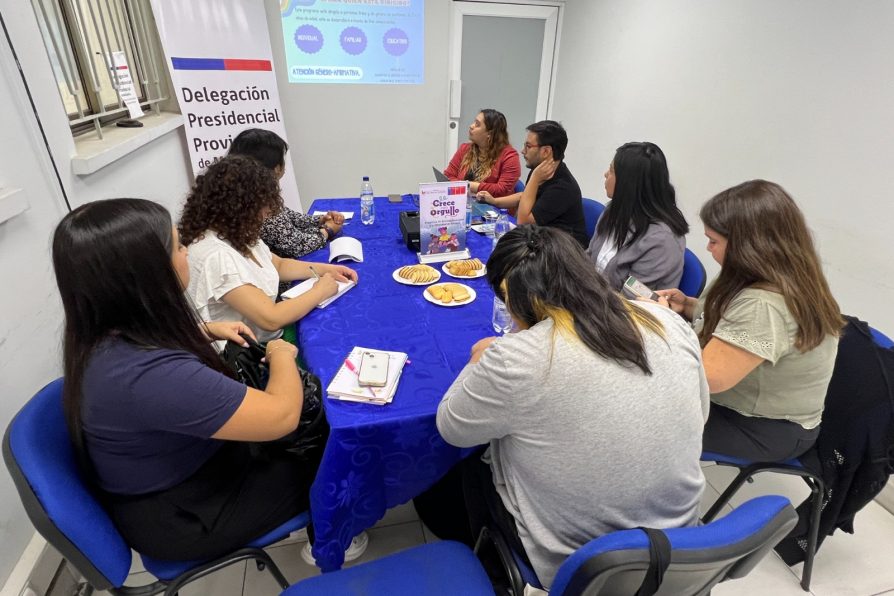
(442, 221)
(345, 248)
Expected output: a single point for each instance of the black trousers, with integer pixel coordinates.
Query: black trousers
(235, 497)
(464, 501)
(755, 439)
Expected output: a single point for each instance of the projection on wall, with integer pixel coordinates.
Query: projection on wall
(354, 41)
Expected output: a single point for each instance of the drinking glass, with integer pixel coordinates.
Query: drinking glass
(489, 218)
(501, 320)
(501, 227)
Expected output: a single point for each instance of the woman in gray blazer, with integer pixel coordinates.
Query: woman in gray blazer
(641, 232)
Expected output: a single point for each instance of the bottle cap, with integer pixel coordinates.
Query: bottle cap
(366, 178)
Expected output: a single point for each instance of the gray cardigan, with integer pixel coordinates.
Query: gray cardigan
(656, 258)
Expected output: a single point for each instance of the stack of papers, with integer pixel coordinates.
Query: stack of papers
(345, 385)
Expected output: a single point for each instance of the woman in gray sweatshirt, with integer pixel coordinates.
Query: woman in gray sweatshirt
(593, 411)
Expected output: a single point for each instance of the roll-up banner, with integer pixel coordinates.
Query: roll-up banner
(221, 66)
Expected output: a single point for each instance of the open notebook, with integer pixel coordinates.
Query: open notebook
(345, 386)
(307, 284)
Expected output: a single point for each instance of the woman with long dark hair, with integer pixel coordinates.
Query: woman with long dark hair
(158, 421)
(641, 232)
(768, 325)
(288, 233)
(488, 161)
(233, 274)
(593, 411)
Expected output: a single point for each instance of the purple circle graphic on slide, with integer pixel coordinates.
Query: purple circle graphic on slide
(309, 39)
(395, 41)
(353, 40)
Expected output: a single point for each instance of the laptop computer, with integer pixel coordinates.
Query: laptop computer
(478, 208)
(439, 175)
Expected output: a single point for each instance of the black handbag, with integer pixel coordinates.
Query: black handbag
(310, 437)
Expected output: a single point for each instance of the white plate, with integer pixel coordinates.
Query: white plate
(407, 282)
(431, 298)
(479, 273)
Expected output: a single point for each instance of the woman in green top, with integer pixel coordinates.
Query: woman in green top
(768, 325)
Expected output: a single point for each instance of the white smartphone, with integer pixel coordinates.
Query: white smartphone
(638, 288)
(373, 369)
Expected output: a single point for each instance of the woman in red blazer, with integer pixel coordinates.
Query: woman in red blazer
(487, 161)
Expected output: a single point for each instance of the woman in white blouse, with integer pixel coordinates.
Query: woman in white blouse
(233, 275)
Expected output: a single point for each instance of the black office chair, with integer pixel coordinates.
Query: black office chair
(700, 556)
(41, 460)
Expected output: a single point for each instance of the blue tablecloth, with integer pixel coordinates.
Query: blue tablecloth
(381, 456)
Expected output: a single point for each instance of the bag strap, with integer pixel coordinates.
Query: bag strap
(659, 561)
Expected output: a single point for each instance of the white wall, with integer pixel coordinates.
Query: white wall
(798, 92)
(32, 315)
(29, 348)
(392, 133)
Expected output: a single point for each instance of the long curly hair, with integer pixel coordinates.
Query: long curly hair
(232, 198)
(483, 161)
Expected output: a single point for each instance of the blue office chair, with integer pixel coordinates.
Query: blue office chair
(41, 460)
(437, 569)
(519, 186)
(793, 467)
(701, 556)
(694, 276)
(592, 210)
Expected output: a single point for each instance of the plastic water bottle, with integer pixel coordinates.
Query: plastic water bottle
(469, 199)
(367, 206)
(501, 320)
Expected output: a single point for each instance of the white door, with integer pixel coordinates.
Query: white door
(501, 57)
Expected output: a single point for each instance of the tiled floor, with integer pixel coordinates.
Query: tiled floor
(858, 565)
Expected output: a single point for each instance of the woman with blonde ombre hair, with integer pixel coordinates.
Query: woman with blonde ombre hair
(487, 161)
(768, 325)
(593, 410)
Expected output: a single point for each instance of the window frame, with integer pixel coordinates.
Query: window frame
(125, 24)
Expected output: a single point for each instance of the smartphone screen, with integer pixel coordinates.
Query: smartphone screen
(638, 288)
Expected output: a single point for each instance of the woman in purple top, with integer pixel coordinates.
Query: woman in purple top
(158, 421)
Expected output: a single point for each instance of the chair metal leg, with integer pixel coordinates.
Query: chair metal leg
(256, 554)
(817, 488)
(723, 499)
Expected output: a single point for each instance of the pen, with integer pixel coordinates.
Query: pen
(311, 267)
(350, 366)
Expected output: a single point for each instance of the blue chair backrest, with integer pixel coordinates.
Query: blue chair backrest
(519, 186)
(880, 339)
(592, 210)
(701, 556)
(694, 276)
(42, 462)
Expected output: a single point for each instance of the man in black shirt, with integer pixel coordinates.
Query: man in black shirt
(552, 196)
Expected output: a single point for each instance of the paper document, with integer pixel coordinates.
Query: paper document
(346, 214)
(307, 284)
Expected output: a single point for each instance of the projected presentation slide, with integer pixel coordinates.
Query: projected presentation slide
(354, 41)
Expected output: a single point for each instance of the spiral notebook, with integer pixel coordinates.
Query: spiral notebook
(346, 387)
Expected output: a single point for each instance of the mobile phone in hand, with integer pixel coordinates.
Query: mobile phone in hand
(637, 288)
